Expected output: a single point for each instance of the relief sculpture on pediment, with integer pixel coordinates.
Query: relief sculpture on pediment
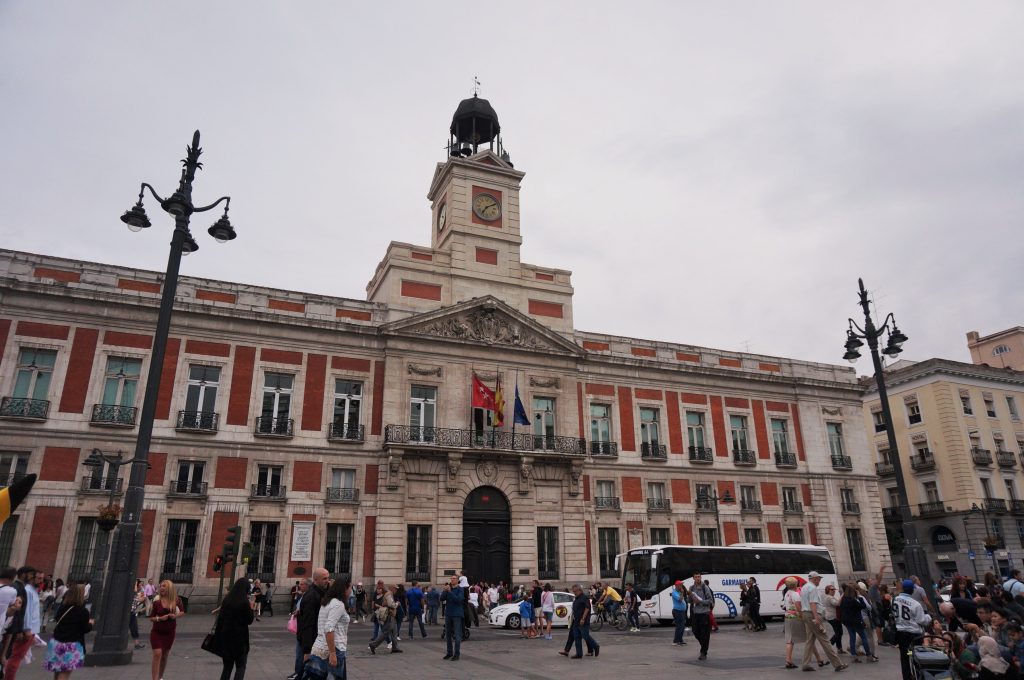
(484, 325)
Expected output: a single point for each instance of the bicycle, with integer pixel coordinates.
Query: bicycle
(600, 615)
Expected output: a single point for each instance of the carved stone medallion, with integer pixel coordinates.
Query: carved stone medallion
(487, 471)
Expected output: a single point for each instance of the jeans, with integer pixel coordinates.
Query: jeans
(702, 630)
(340, 672)
(837, 634)
(581, 634)
(612, 607)
(388, 631)
(633, 616)
(133, 626)
(298, 659)
(854, 632)
(755, 616)
(239, 666)
(417, 617)
(678, 618)
(432, 614)
(905, 640)
(453, 634)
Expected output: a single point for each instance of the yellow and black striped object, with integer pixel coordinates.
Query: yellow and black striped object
(12, 496)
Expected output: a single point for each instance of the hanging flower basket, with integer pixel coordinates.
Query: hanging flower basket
(107, 524)
(108, 517)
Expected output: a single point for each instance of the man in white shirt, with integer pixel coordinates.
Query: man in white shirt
(812, 605)
(911, 621)
(492, 596)
(8, 594)
(28, 626)
(1013, 585)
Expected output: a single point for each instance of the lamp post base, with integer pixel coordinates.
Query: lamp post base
(108, 658)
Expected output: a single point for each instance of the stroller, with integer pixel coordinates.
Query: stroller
(935, 663)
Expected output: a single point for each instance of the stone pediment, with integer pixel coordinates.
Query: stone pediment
(483, 321)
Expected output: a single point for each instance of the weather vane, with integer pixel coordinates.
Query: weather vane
(476, 86)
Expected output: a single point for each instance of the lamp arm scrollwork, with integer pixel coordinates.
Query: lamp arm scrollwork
(225, 199)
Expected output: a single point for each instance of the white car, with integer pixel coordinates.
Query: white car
(507, 615)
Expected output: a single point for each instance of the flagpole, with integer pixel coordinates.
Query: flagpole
(497, 389)
(514, 410)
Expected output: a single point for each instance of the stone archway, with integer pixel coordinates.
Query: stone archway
(486, 531)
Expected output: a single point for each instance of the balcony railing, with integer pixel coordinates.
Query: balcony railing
(444, 437)
(792, 508)
(851, 508)
(704, 505)
(24, 409)
(744, 457)
(932, 508)
(892, 515)
(338, 431)
(187, 488)
(176, 576)
(785, 459)
(111, 414)
(197, 421)
(922, 460)
(995, 505)
(607, 503)
(1006, 459)
(267, 426)
(101, 485)
(701, 454)
(981, 456)
(1017, 507)
(337, 494)
(750, 506)
(8, 478)
(274, 492)
(659, 505)
(885, 469)
(842, 463)
(264, 577)
(653, 451)
(604, 449)
(421, 574)
(548, 575)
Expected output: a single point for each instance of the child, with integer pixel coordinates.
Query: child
(1016, 634)
(525, 617)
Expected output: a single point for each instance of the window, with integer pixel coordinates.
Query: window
(7, 531)
(931, 493)
(543, 423)
(649, 427)
(894, 495)
(343, 478)
(482, 423)
(35, 368)
(913, 413)
(853, 539)
(789, 497)
(600, 423)
(422, 411)
(547, 552)
(268, 481)
(417, 553)
(277, 403)
(263, 536)
(338, 550)
(660, 536)
(986, 487)
(103, 477)
(846, 497)
(607, 549)
(83, 559)
(990, 407)
(835, 439)
(1011, 406)
(13, 466)
(738, 426)
(656, 490)
(965, 402)
(201, 394)
(190, 478)
(1011, 489)
(348, 396)
(180, 550)
(605, 488)
(752, 536)
(695, 428)
(997, 532)
(795, 536)
(780, 435)
(879, 419)
(703, 496)
(707, 536)
(997, 439)
(1020, 530)
(121, 381)
(1000, 349)
(748, 495)
(884, 457)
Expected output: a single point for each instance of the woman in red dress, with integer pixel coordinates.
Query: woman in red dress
(166, 611)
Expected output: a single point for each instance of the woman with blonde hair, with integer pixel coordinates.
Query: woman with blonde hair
(166, 611)
(65, 651)
(793, 624)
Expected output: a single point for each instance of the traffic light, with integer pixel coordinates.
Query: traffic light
(246, 553)
(218, 563)
(231, 543)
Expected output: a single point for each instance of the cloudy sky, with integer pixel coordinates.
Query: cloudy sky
(714, 173)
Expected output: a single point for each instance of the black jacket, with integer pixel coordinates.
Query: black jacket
(73, 625)
(580, 608)
(232, 630)
(309, 612)
(755, 594)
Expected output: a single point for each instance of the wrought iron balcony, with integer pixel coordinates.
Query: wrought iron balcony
(273, 492)
(8, 478)
(931, 509)
(981, 456)
(1006, 459)
(548, 575)
(101, 485)
(267, 426)
(265, 577)
(336, 494)
(785, 459)
(922, 460)
(892, 515)
(421, 574)
(1017, 507)
(653, 451)
(842, 463)
(186, 488)
(744, 457)
(792, 508)
(659, 505)
(24, 409)
(750, 506)
(851, 508)
(704, 505)
(604, 449)
(114, 415)
(176, 576)
(339, 432)
(607, 503)
(450, 438)
(197, 421)
(885, 469)
(701, 454)
(995, 505)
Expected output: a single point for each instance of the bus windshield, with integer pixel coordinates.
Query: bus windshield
(639, 573)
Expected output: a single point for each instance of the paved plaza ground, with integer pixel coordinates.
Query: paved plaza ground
(493, 654)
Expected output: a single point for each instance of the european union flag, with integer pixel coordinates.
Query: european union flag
(520, 411)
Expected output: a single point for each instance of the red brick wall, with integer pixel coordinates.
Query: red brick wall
(486, 256)
(586, 488)
(60, 464)
(307, 567)
(167, 373)
(771, 368)
(761, 430)
(424, 291)
(350, 364)
(626, 419)
(49, 331)
(595, 346)
(812, 532)
(799, 432)
(426, 257)
(650, 395)
(544, 308)
(44, 541)
(590, 559)
(286, 305)
(579, 409)
(157, 468)
(774, 532)
(769, 493)
(231, 473)
(139, 286)
(724, 486)
(281, 356)
(732, 532)
(545, 277)
(634, 525)
(681, 491)
(806, 489)
(718, 422)
(370, 485)
(241, 385)
(76, 383)
(736, 402)
(684, 533)
(57, 275)
(732, 363)
(377, 417)
(148, 522)
(632, 490)
(352, 314)
(215, 296)
(206, 348)
(643, 352)
(307, 476)
(689, 398)
(313, 395)
(218, 532)
(5, 331)
(600, 390)
(120, 339)
(369, 543)
(777, 406)
(675, 431)
(685, 356)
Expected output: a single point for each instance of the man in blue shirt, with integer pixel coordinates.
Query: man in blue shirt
(679, 612)
(415, 597)
(454, 599)
(433, 602)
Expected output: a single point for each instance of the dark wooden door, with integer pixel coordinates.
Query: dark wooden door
(485, 536)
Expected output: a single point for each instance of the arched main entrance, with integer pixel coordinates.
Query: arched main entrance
(485, 535)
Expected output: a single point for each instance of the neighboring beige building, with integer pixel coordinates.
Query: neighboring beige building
(958, 427)
(1004, 349)
(338, 431)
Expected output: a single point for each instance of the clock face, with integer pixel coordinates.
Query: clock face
(486, 207)
(442, 216)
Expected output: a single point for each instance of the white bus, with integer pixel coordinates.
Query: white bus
(653, 570)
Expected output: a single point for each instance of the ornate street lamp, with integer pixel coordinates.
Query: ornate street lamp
(111, 645)
(712, 500)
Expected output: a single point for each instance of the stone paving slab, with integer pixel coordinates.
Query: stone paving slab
(493, 654)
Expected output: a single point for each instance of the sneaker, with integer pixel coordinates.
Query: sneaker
(396, 651)
(842, 667)
(446, 657)
(389, 645)
(372, 650)
(292, 676)
(703, 657)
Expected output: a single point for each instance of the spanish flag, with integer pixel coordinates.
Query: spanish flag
(499, 405)
(12, 496)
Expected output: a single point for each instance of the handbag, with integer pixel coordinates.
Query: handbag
(210, 643)
(293, 625)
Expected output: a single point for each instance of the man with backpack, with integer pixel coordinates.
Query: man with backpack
(1013, 585)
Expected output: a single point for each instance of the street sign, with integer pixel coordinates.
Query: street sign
(970, 554)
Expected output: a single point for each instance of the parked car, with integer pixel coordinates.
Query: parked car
(507, 615)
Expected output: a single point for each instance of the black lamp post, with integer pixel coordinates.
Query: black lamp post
(111, 645)
(989, 547)
(914, 557)
(712, 500)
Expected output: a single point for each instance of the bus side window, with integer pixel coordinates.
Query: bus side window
(759, 563)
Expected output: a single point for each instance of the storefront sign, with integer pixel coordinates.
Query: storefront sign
(302, 541)
(943, 536)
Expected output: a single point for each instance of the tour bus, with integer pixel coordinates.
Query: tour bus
(653, 570)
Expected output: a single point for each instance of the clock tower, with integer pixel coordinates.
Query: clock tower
(475, 235)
